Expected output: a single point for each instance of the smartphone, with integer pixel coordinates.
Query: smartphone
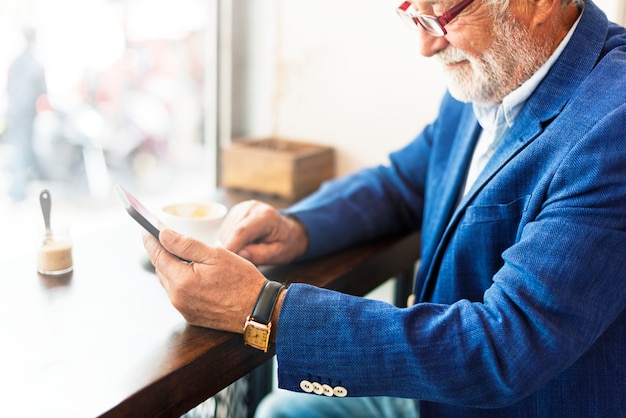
(138, 211)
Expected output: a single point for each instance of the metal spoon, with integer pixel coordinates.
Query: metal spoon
(46, 203)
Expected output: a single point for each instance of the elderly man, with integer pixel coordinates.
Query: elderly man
(519, 190)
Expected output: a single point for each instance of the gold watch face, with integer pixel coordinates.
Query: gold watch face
(257, 335)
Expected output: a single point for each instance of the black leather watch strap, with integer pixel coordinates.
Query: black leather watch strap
(266, 302)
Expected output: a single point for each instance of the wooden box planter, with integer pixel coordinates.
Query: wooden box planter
(290, 169)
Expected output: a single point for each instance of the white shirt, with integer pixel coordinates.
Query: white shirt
(496, 120)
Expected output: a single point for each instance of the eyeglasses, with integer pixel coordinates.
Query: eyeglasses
(433, 25)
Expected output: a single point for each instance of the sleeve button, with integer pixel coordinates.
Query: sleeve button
(340, 391)
(317, 388)
(306, 386)
(328, 390)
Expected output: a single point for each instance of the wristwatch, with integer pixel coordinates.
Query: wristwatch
(256, 331)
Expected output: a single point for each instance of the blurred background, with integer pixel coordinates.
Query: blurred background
(110, 93)
(147, 92)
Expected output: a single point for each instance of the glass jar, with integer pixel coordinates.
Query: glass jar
(54, 256)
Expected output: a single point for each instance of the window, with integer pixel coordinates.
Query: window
(130, 97)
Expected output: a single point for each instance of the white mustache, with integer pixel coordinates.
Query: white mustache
(451, 55)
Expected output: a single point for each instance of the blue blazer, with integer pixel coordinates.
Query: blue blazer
(522, 282)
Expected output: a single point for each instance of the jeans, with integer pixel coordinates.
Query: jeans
(285, 404)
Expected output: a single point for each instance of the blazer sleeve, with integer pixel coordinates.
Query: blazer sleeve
(377, 201)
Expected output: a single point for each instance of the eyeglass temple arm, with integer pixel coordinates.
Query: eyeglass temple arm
(447, 17)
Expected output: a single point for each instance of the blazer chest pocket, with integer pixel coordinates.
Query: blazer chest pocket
(486, 231)
(491, 229)
(495, 212)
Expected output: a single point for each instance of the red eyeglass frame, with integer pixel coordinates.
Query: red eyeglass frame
(441, 20)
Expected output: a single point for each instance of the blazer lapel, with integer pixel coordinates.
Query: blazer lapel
(515, 140)
(460, 158)
(443, 196)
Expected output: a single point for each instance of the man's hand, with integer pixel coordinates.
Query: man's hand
(216, 290)
(259, 233)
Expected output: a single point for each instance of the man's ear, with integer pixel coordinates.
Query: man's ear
(543, 10)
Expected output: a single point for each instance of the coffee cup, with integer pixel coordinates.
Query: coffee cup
(196, 219)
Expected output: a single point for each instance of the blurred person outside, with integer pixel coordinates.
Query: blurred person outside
(26, 85)
(518, 188)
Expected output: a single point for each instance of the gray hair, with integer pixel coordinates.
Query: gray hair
(500, 6)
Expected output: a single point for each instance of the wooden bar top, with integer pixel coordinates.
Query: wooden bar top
(105, 340)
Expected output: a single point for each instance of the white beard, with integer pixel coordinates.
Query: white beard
(488, 78)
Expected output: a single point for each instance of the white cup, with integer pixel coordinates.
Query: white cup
(198, 220)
